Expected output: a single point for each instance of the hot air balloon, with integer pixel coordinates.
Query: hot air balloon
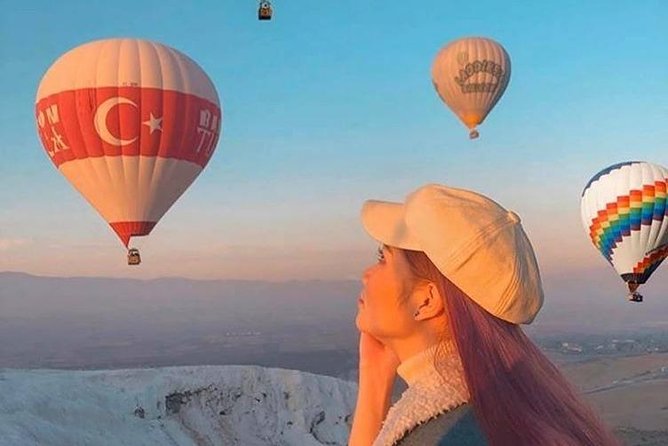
(624, 213)
(130, 123)
(470, 76)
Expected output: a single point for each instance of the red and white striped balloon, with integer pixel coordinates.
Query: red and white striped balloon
(130, 123)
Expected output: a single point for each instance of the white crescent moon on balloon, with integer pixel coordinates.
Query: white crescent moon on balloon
(101, 121)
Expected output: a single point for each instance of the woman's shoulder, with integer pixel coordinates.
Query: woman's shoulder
(456, 427)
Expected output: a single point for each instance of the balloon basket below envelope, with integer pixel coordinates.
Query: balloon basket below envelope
(133, 257)
(265, 11)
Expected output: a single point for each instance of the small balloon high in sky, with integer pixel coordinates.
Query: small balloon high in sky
(130, 123)
(470, 76)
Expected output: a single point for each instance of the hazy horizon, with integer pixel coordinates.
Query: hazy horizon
(307, 325)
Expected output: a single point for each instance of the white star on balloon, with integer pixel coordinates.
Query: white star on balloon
(153, 123)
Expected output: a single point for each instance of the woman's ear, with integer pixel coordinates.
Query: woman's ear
(428, 301)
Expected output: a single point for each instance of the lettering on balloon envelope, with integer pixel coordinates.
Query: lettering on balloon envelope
(475, 67)
(130, 121)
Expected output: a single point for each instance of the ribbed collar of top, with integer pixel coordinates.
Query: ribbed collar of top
(429, 394)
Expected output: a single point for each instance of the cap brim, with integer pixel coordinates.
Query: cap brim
(384, 221)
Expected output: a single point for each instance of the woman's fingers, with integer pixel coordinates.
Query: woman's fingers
(373, 353)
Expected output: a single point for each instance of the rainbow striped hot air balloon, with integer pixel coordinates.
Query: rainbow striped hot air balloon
(624, 213)
(130, 123)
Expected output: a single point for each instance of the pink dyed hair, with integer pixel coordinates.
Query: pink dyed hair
(519, 397)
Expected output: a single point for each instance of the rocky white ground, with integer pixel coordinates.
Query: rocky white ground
(255, 406)
(203, 405)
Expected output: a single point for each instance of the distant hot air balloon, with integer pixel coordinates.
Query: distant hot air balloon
(265, 10)
(470, 76)
(130, 123)
(624, 213)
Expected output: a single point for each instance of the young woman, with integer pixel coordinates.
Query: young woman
(441, 308)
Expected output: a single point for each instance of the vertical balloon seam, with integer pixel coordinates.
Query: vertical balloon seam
(171, 167)
(119, 160)
(92, 170)
(89, 80)
(88, 175)
(125, 63)
(635, 205)
(504, 79)
(612, 234)
(451, 62)
(640, 207)
(600, 222)
(479, 97)
(102, 165)
(448, 87)
(132, 165)
(156, 171)
(659, 209)
(469, 108)
(185, 74)
(610, 227)
(146, 163)
(645, 229)
(488, 105)
(160, 160)
(191, 114)
(663, 212)
(492, 99)
(112, 178)
(623, 200)
(463, 111)
(141, 195)
(150, 47)
(659, 205)
(650, 189)
(509, 71)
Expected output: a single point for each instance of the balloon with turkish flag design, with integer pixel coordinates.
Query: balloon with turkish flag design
(130, 123)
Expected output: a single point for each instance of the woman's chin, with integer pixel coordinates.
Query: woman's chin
(360, 322)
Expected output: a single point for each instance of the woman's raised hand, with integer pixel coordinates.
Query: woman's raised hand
(376, 358)
(377, 372)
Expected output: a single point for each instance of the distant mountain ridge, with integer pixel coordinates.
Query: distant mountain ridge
(107, 323)
(591, 299)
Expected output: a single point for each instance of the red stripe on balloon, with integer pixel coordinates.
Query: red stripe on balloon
(650, 259)
(127, 229)
(131, 121)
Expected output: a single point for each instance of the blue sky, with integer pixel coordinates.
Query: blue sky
(330, 104)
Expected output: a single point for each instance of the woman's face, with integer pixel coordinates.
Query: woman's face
(384, 306)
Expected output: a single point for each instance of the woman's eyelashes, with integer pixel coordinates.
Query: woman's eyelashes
(380, 255)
